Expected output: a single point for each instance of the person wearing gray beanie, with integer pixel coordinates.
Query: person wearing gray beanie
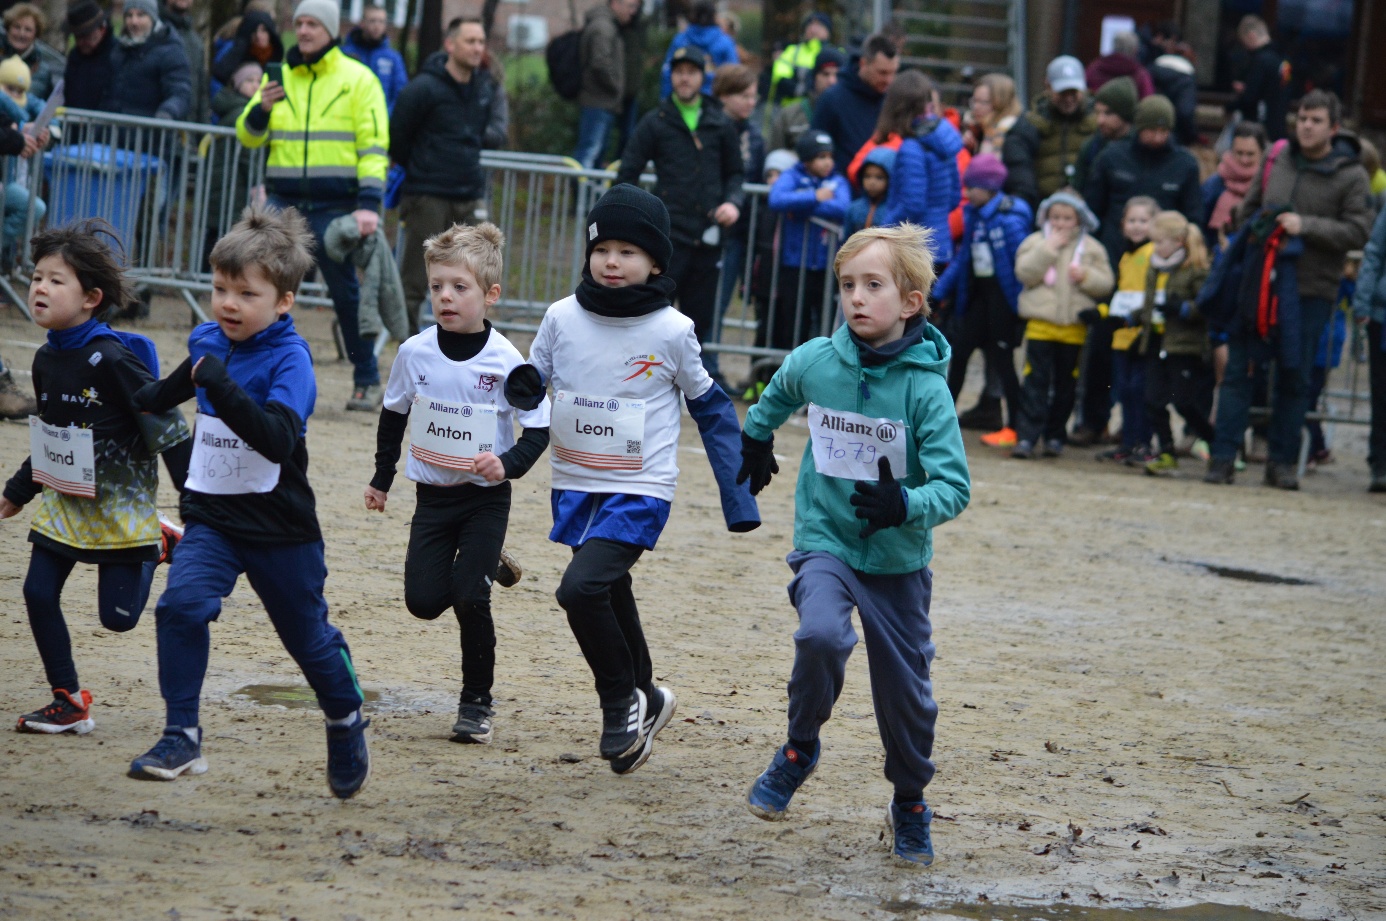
(326, 12)
(150, 74)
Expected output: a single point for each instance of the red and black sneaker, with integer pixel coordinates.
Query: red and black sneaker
(169, 536)
(67, 713)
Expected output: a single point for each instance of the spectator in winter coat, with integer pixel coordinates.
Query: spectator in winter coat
(1124, 61)
(369, 43)
(177, 15)
(734, 88)
(1369, 307)
(703, 31)
(1041, 151)
(874, 181)
(256, 39)
(89, 72)
(1146, 163)
(792, 119)
(1239, 167)
(151, 75)
(811, 188)
(1115, 108)
(925, 186)
(1263, 86)
(24, 23)
(697, 162)
(992, 112)
(848, 112)
(792, 71)
(1173, 75)
(604, 78)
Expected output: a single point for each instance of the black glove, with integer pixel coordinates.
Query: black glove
(210, 374)
(881, 504)
(1090, 317)
(524, 387)
(758, 462)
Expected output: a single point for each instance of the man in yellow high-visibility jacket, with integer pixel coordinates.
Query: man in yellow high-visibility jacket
(791, 76)
(328, 132)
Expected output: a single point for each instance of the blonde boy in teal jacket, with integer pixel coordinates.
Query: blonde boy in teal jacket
(879, 406)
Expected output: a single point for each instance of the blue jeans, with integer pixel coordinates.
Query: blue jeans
(594, 126)
(1290, 398)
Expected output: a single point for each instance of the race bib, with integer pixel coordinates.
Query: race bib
(849, 445)
(983, 265)
(603, 433)
(62, 458)
(1126, 304)
(451, 435)
(224, 465)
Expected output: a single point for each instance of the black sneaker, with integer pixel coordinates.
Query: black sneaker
(1220, 472)
(658, 714)
(348, 760)
(986, 415)
(473, 722)
(175, 753)
(508, 571)
(623, 727)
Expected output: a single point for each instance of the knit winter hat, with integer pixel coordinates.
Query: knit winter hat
(821, 18)
(629, 213)
(326, 12)
(14, 72)
(1153, 112)
(148, 7)
(245, 71)
(1119, 95)
(1086, 218)
(985, 171)
(812, 143)
(829, 57)
(779, 161)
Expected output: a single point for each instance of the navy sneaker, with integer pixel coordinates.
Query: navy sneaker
(623, 727)
(658, 711)
(473, 721)
(909, 830)
(771, 792)
(175, 753)
(348, 761)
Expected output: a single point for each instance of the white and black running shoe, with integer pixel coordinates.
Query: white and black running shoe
(658, 713)
(623, 727)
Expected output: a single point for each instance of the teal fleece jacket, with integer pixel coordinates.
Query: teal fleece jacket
(912, 388)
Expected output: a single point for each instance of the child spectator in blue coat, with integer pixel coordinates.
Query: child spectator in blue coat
(811, 188)
(981, 283)
(875, 186)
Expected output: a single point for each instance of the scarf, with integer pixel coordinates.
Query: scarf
(628, 302)
(1174, 261)
(1051, 275)
(1236, 183)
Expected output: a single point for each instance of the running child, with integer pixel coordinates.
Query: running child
(447, 388)
(1174, 336)
(1123, 312)
(1065, 271)
(619, 356)
(247, 502)
(90, 459)
(878, 405)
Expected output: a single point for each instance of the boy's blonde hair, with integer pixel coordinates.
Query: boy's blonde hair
(276, 242)
(911, 266)
(478, 248)
(1171, 225)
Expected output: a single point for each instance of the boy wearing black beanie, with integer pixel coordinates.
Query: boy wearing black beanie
(618, 356)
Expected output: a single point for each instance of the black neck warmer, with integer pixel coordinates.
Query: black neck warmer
(631, 301)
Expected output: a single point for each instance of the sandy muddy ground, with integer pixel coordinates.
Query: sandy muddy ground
(1119, 726)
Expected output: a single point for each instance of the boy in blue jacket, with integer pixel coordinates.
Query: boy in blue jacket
(247, 503)
(811, 188)
(981, 283)
(878, 405)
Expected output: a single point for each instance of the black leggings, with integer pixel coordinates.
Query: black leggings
(121, 593)
(1186, 382)
(596, 593)
(994, 329)
(455, 543)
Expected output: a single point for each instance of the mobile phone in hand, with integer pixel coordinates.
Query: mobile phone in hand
(274, 70)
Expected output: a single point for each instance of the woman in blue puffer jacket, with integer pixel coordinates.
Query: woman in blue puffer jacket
(925, 186)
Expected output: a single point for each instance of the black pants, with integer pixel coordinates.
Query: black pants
(792, 327)
(1376, 441)
(989, 325)
(455, 543)
(1095, 379)
(596, 593)
(694, 270)
(121, 593)
(1186, 381)
(1046, 399)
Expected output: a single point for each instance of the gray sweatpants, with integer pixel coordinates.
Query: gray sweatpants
(895, 618)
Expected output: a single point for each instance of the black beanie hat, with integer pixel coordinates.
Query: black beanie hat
(629, 213)
(812, 143)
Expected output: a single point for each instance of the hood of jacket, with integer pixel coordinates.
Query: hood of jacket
(930, 351)
(602, 11)
(1345, 151)
(884, 157)
(854, 84)
(706, 37)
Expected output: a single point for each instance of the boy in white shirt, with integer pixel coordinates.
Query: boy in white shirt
(447, 386)
(619, 356)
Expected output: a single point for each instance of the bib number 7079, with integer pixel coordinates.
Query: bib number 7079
(849, 445)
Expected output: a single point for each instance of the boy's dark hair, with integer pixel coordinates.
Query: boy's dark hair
(1323, 99)
(1252, 130)
(278, 243)
(907, 99)
(95, 262)
(704, 13)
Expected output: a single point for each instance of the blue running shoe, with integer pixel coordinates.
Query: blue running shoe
(769, 796)
(909, 829)
(348, 760)
(175, 753)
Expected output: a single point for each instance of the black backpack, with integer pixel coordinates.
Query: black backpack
(564, 57)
